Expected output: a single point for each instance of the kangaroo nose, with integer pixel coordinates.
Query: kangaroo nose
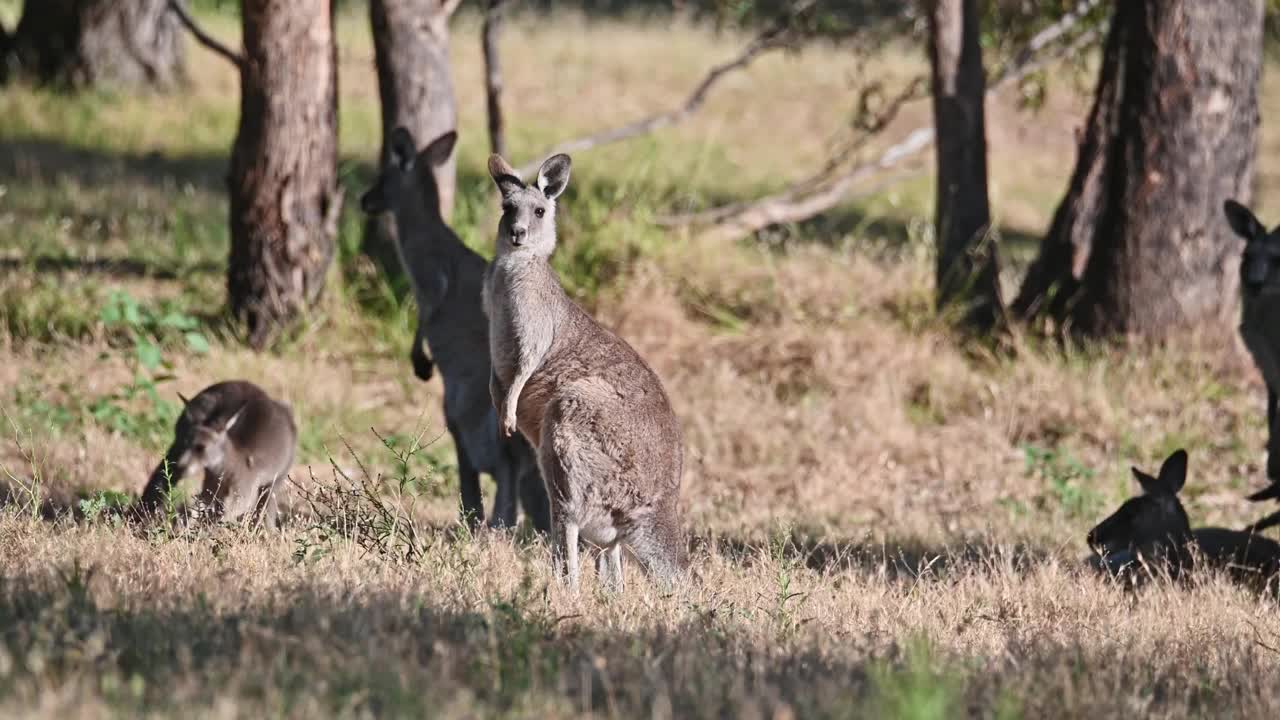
(518, 234)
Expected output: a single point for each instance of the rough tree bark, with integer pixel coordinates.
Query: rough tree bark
(79, 43)
(489, 33)
(966, 272)
(1138, 246)
(285, 198)
(415, 84)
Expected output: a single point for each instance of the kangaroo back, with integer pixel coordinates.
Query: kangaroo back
(447, 279)
(609, 444)
(243, 442)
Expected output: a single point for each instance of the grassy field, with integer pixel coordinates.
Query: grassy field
(882, 523)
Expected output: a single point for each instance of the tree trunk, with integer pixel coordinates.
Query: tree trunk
(81, 43)
(489, 33)
(285, 198)
(411, 51)
(966, 273)
(1139, 246)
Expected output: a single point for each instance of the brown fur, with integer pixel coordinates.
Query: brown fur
(609, 445)
(241, 439)
(447, 279)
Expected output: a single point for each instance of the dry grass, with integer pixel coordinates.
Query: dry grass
(883, 524)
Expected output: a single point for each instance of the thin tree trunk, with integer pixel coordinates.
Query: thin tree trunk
(285, 198)
(493, 76)
(415, 84)
(80, 43)
(1138, 245)
(966, 272)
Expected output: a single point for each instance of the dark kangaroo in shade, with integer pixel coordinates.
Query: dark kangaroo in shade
(241, 439)
(1260, 320)
(1153, 530)
(608, 442)
(447, 279)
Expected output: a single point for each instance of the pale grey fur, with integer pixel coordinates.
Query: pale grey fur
(241, 439)
(608, 443)
(447, 279)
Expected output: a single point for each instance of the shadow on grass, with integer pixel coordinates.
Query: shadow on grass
(50, 162)
(109, 267)
(329, 650)
(893, 559)
(316, 648)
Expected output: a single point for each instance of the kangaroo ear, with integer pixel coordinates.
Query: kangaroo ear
(1242, 220)
(553, 176)
(504, 176)
(403, 148)
(440, 149)
(1150, 485)
(1173, 473)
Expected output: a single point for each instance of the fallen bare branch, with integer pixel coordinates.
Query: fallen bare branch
(825, 189)
(203, 37)
(789, 209)
(1051, 34)
(777, 35)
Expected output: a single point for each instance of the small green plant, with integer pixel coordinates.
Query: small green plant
(104, 503)
(917, 688)
(409, 455)
(1069, 480)
(374, 512)
(145, 331)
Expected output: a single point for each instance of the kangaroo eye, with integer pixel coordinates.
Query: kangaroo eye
(539, 212)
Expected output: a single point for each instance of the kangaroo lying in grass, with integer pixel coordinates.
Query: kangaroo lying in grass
(1152, 531)
(608, 442)
(1260, 320)
(241, 439)
(447, 279)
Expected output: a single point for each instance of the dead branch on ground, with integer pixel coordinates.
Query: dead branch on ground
(831, 186)
(779, 34)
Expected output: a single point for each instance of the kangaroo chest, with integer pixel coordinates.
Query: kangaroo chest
(1260, 330)
(521, 317)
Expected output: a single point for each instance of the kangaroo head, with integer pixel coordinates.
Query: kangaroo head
(406, 175)
(1261, 257)
(1151, 522)
(201, 435)
(528, 221)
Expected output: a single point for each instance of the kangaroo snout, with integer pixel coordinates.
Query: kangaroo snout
(518, 234)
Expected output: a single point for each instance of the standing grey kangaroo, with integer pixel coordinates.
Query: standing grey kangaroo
(608, 442)
(447, 279)
(1153, 529)
(1260, 320)
(241, 439)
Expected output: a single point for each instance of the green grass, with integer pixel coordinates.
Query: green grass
(884, 524)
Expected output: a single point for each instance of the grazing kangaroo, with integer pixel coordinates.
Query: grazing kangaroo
(241, 439)
(608, 442)
(1153, 529)
(447, 279)
(1260, 320)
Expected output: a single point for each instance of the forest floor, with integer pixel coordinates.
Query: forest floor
(882, 522)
